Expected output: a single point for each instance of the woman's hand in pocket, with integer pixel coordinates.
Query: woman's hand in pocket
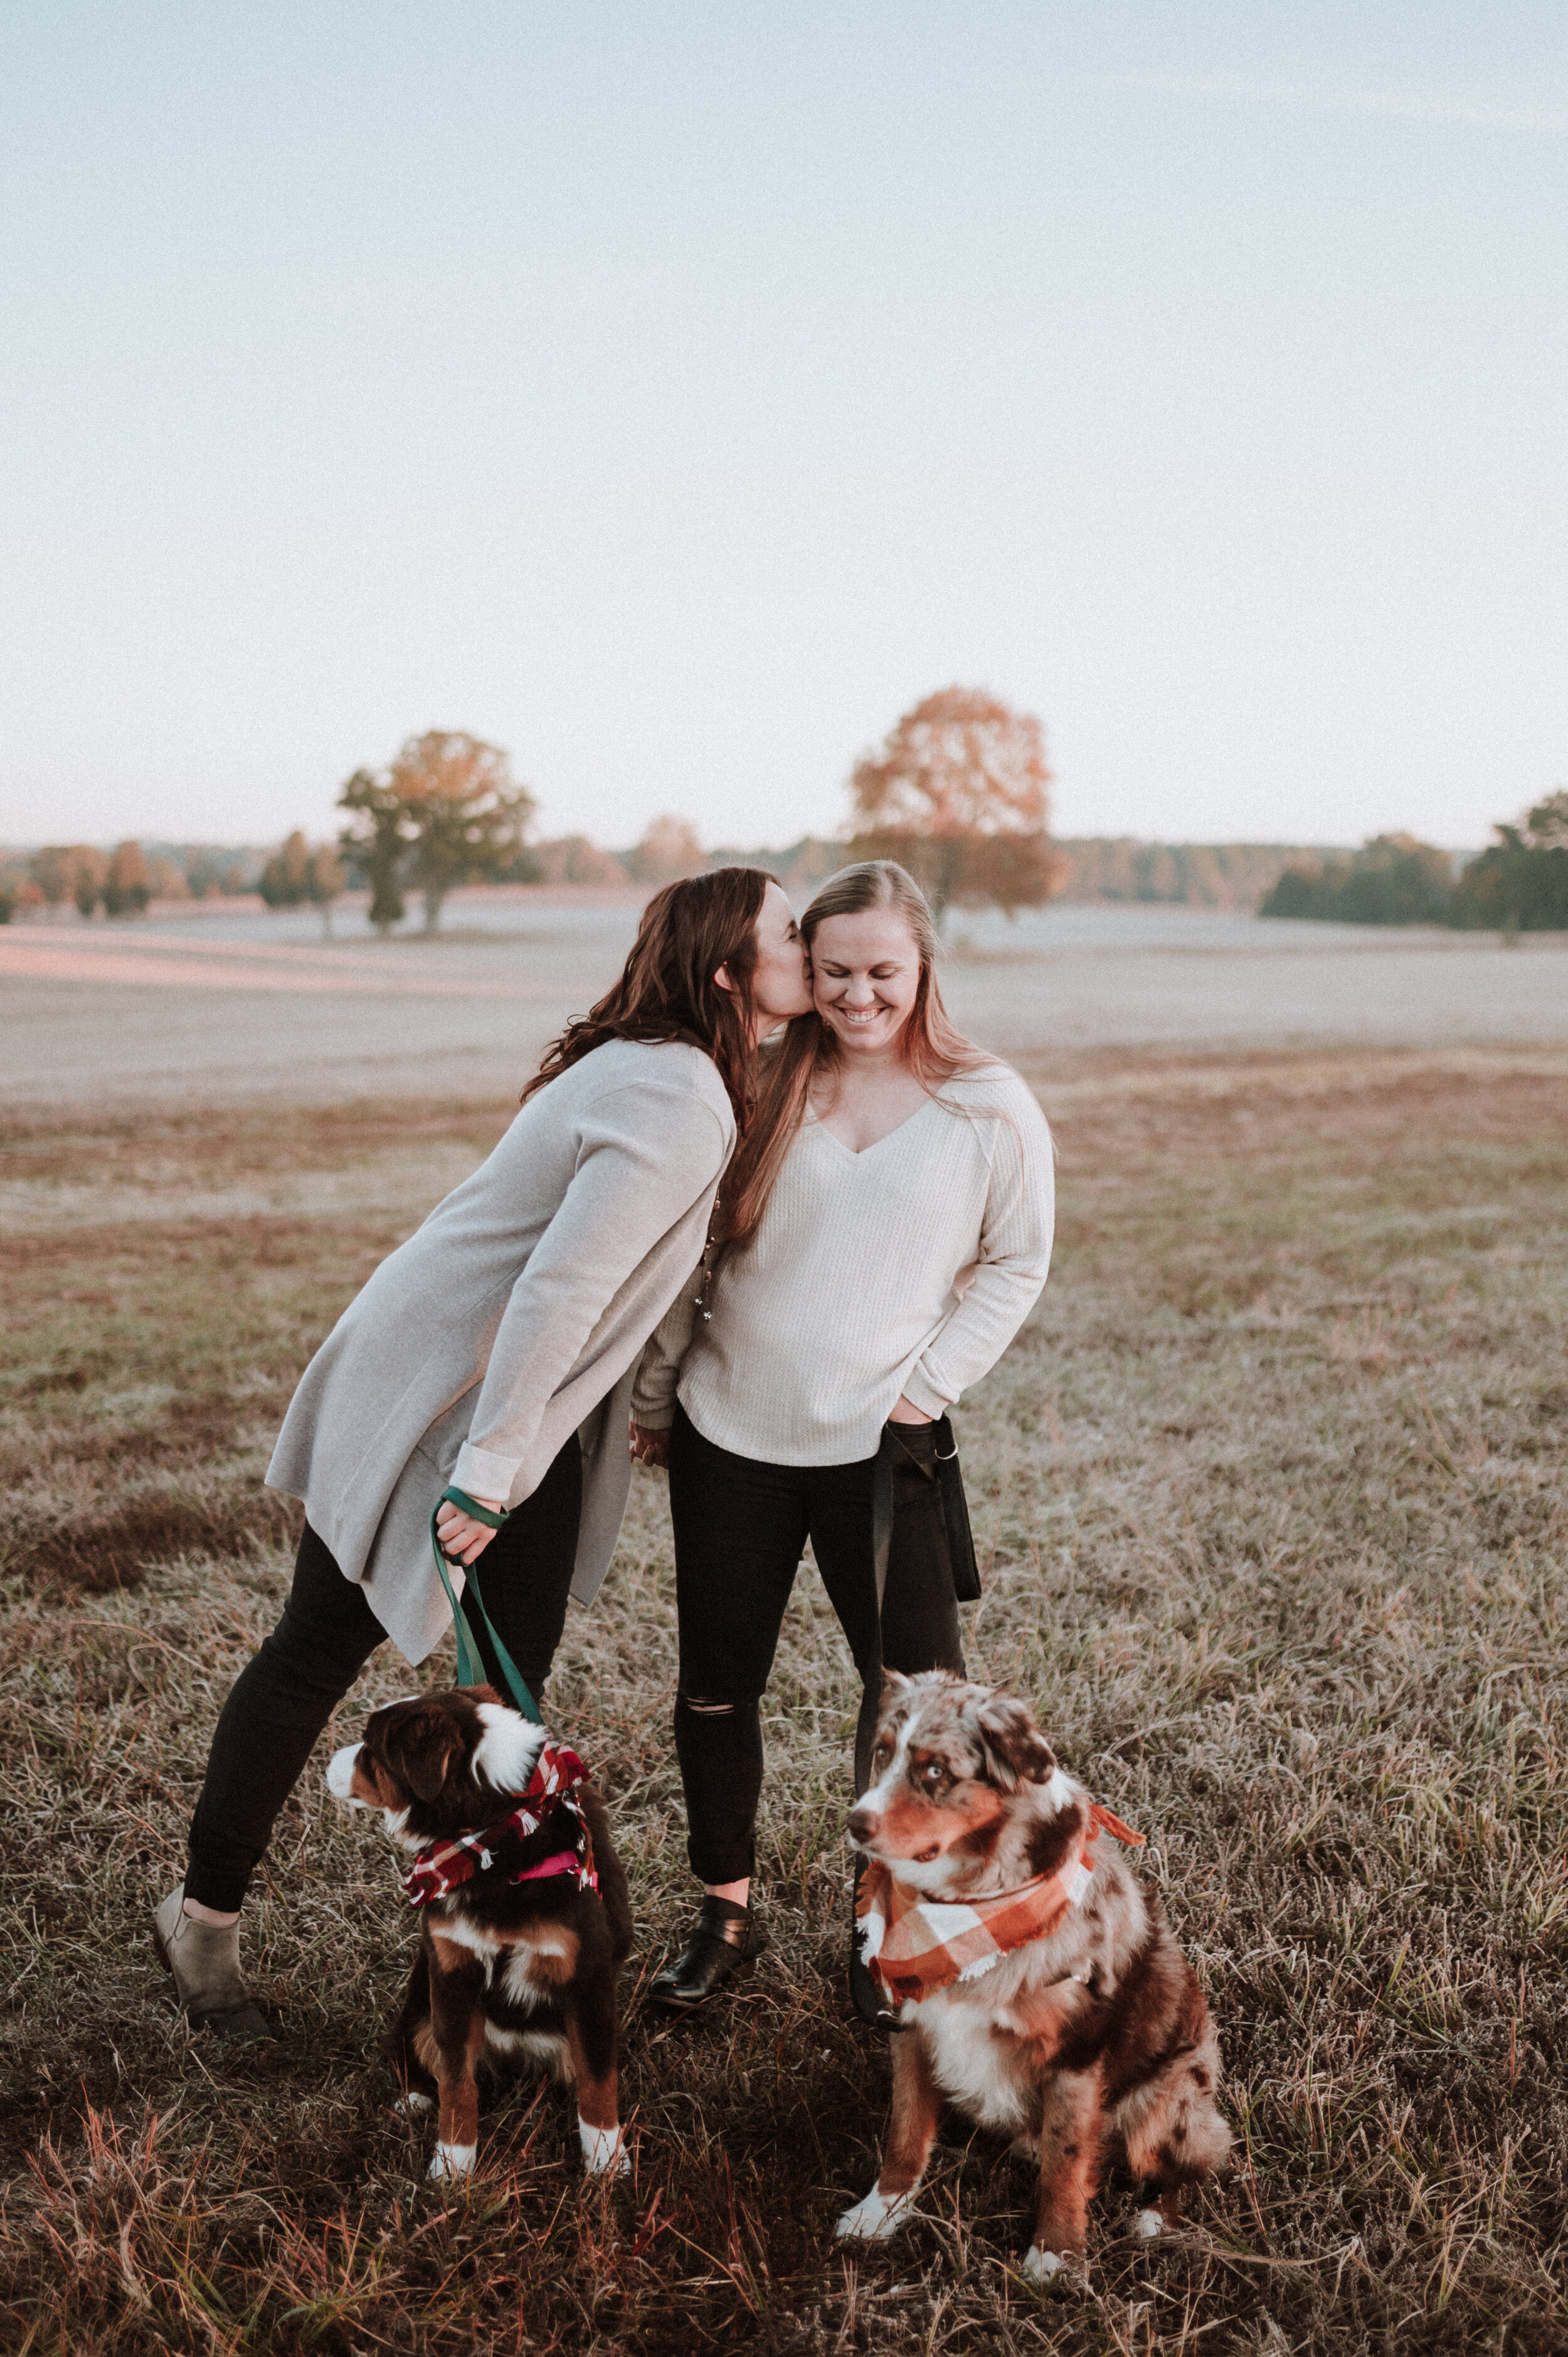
(650, 1445)
(461, 1537)
(905, 1411)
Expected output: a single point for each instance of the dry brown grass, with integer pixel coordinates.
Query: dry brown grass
(1271, 1492)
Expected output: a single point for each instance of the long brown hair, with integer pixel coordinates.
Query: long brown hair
(667, 990)
(932, 1046)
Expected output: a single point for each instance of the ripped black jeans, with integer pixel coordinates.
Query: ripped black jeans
(740, 1527)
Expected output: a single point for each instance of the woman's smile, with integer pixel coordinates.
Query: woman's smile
(866, 973)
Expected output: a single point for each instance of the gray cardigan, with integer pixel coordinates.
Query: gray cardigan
(514, 1317)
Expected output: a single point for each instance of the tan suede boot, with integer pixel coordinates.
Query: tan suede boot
(205, 1963)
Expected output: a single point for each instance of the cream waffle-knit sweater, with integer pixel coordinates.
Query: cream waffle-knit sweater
(904, 1269)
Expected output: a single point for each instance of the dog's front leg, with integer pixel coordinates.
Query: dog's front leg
(591, 2042)
(457, 2033)
(584, 1971)
(916, 2108)
(1070, 2136)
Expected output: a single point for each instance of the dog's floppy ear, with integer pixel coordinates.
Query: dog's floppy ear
(418, 1744)
(894, 1683)
(1012, 1747)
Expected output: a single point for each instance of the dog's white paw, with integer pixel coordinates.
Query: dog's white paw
(604, 2151)
(409, 2107)
(451, 2160)
(876, 2219)
(1043, 2267)
(1147, 2225)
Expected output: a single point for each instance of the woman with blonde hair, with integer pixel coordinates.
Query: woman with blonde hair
(887, 1229)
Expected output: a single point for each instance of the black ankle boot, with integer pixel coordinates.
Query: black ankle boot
(723, 1943)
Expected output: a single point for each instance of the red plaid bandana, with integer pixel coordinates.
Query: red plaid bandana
(498, 1848)
(912, 1944)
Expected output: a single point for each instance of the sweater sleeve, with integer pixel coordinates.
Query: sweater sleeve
(645, 1155)
(1009, 1276)
(653, 1394)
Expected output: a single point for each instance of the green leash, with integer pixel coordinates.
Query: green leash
(471, 1671)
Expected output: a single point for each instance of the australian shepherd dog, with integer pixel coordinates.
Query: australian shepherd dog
(1036, 1981)
(524, 1915)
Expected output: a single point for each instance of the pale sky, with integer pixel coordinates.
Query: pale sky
(675, 393)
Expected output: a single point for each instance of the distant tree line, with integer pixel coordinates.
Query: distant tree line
(1518, 884)
(1119, 869)
(956, 791)
(79, 875)
(295, 874)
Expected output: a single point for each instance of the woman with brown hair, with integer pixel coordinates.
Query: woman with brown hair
(494, 1352)
(887, 1229)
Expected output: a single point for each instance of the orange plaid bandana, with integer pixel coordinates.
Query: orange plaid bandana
(912, 1944)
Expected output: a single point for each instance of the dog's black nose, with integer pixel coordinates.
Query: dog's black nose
(862, 1825)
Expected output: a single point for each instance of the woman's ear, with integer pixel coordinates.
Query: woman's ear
(722, 980)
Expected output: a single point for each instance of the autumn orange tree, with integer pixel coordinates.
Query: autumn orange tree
(126, 887)
(447, 812)
(956, 794)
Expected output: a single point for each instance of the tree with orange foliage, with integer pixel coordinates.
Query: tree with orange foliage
(127, 890)
(957, 795)
(468, 817)
(450, 804)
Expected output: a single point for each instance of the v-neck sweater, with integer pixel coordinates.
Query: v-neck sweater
(904, 1269)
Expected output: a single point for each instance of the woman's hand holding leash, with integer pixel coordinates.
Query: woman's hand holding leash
(462, 1538)
(650, 1445)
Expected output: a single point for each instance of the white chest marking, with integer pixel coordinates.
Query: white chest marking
(518, 1984)
(973, 2065)
(464, 1934)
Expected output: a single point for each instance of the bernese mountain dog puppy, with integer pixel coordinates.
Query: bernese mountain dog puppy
(525, 1919)
(1036, 1982)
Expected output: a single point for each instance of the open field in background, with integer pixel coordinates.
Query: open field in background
(230, 1006)
(1270, 1497)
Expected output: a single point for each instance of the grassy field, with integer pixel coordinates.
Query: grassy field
(1269, 1496)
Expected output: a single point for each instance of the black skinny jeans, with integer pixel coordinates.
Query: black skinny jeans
(740, 1526)
(284, 1696)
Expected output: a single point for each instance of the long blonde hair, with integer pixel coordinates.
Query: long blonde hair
(933, 1048)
